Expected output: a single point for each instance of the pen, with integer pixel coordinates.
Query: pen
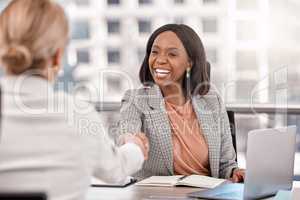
(181, 178)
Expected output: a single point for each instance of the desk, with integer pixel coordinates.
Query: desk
(147, 193)
(139, 192)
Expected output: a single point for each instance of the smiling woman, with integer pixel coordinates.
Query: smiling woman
(181, 47)
(184, 120)
(168, 60)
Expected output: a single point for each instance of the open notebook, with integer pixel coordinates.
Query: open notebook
(180, 180)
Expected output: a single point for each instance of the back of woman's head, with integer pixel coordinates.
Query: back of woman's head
(31, 32)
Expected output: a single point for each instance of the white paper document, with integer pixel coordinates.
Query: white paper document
(180, 180)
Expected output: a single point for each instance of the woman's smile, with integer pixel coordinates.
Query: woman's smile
(161, 73)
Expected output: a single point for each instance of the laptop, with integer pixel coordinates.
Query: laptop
(270, 167)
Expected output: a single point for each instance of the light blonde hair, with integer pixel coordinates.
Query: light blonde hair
(31, 32)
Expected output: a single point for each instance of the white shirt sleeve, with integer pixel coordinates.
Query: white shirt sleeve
(109, 162)
(118, 163)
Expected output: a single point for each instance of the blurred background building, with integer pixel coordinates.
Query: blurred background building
(253, 47)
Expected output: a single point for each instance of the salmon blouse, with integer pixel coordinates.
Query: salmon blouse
(190, 150)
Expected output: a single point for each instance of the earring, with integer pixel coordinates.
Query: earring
(188, 84)
(188, 73)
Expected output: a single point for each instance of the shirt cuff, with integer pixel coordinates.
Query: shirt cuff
(134, 157)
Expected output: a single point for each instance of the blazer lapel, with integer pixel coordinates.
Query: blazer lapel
(209, 130)
(160, 122)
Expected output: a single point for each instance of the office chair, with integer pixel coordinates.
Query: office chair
(232, 128)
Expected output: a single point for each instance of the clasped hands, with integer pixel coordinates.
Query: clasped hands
(139, 139)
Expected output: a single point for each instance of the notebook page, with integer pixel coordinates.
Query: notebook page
(200, 181)
(159, 181)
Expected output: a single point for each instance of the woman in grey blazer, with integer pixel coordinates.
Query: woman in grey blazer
(175, 70)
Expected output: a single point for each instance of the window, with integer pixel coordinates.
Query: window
(144, 26)
(83, 56)
(113, 2)
(113, 83)
(295, 32)
(209, 25)
(244, 89)
(113, 26)
(179, 20)
(141, 54)
(246, 30)
(113, 56)
(246, 4)
(145, 2)
(209, 1)
(179, 1)
(82, 2)
(80, 30)
(246, 60)
(212, 54)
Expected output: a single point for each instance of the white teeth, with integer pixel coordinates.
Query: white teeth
(160, 75)
(162, 71)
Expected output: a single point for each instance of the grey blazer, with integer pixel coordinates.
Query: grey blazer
(144, 110)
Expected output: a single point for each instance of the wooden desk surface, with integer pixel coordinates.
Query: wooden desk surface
(139, 192)
(153, 193)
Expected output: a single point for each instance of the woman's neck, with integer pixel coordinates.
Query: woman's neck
(174, 94)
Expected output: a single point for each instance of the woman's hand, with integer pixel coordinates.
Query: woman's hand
(238, 175)
(139, 139)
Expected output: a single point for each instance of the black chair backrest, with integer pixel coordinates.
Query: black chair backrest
(23, 196)
(232, 127)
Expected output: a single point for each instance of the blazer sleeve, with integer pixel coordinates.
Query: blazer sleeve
(108, 162)
(227, 154)
(130, 113)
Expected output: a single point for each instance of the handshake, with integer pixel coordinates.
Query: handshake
(139, 139)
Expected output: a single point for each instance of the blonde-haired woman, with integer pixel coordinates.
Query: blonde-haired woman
(50, 142)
